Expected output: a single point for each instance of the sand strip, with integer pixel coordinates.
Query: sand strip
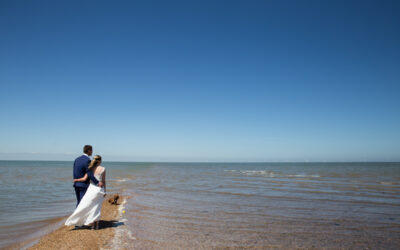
(66, 237)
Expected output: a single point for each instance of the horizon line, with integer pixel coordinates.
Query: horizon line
(221, 161)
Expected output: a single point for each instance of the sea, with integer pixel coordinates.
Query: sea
(216, 205)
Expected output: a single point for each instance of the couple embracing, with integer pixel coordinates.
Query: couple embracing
(90, 188)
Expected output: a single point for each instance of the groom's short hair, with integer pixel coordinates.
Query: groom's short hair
(87, 148)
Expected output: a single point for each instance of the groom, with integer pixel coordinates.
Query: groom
(81, 165)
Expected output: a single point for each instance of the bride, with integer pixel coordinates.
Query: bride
(89, 209)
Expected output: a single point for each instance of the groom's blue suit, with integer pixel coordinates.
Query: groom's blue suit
(81, 165)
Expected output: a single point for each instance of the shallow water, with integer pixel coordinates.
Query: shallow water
(208, 205)
(181, 205)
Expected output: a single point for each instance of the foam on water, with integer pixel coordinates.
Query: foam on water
(123, 234)
(271, 174)
(122, 180)
(304, 175)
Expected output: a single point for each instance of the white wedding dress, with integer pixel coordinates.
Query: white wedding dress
(89, 209)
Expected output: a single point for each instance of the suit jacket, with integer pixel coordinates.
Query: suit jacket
(81, 165)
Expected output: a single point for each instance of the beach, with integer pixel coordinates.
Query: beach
(223, 124)
(66, 237)
(213, 206)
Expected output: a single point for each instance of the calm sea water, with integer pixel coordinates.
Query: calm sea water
(207, 205)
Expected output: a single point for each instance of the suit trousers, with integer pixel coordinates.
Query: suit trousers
(80, 192)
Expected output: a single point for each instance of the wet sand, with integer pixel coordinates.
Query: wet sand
(66, 237)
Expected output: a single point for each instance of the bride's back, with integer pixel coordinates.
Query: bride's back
(97, 172)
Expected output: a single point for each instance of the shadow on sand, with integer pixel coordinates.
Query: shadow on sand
(103, 225)
(110, 223)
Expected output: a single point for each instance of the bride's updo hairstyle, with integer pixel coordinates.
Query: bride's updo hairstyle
(95, 162)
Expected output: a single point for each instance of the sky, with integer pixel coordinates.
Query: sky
(200, 80)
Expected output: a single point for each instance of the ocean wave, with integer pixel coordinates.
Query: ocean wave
(258, 172)
(304, 175)
(122, 180)
(271, 174)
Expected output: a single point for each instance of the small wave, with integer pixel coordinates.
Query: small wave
(253, 172)
(122, 180)
(258, 172)
(304, 176)
(271, 174)
(386, 183)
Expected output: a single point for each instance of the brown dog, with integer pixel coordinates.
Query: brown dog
(114, 199)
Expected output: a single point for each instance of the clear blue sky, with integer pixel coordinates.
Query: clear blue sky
(200, 80)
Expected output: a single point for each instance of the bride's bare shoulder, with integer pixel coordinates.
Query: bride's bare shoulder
(99, 170)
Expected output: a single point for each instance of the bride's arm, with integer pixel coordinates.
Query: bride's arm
(84, 178)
